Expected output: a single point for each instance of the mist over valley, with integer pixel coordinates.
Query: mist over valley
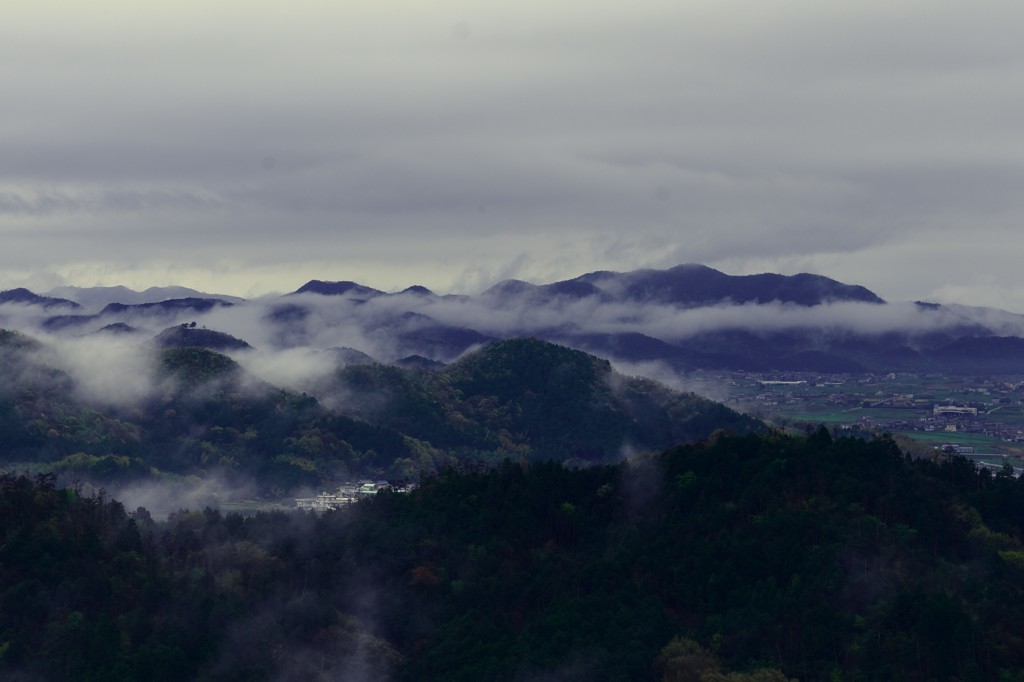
(687, 317)
(557, 496)
(518, 342)
(338, 380)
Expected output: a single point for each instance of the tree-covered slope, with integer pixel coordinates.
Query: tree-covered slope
(527, 397)
(827, 560)
(744, 558)
(89, 593)
(200, 414)
(192, 411)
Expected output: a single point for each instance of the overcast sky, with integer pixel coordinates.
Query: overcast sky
(247, 147)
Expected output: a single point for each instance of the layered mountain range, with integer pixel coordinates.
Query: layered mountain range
(521, 554)
(113, 411)
(683, 318)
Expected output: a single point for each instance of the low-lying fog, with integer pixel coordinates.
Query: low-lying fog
(293, 336)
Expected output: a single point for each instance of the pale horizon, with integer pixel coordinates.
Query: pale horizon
(243, 149)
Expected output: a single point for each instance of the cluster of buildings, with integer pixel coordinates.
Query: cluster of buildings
(869, 400)
(962, 422)
(346, 494)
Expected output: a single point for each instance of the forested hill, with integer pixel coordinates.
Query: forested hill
(744, 558)
(530, 398)
(154, 411)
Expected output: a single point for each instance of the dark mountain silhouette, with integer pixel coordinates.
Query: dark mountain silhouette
(418, 290)
(172, 305)
(97, 297)
(121, 311)
(118, 328)
(186, 336)
(939, 338)
(338, 289)
(698, 285)
(26, 297)
(686, 286)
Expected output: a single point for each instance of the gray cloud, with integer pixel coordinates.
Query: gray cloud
(62, 203)
(298, 353)
(454, 144)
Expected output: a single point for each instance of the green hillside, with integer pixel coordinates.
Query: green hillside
(534, 399)
(746, 558)
(203, 416)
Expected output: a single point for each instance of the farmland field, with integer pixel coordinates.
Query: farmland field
(992, 420)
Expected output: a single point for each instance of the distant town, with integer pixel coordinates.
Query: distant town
(977, 416)
(347, 494)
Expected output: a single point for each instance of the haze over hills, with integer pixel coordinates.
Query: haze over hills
(118, 410)
(544, 508)
(683, 318)
(691, 285)
(27, 297)
(97, 297)
(339, 377)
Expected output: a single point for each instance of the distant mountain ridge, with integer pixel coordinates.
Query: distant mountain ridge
(692, 285)
(197, 305)
(686, 317)
(118, 311)
(25, 296)
(99, 297)
(688, 284)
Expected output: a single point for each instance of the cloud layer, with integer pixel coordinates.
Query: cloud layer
(247, 148)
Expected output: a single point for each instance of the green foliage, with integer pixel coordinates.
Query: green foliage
(684, 660)
(747, 558)
(193, 366)
(105, 469)
(80, 599)
(521, 399)
(739, 557)
(528, 398)
(204, 417)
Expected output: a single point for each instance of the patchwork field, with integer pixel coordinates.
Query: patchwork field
(895, 403)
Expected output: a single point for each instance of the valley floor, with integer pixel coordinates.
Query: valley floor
(977, 416)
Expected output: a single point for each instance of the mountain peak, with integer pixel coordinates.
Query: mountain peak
(693, 285)
(198, 305)
(316, 286)
(22, 295)
(510, 287)
(98, 297)
(190, 336)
